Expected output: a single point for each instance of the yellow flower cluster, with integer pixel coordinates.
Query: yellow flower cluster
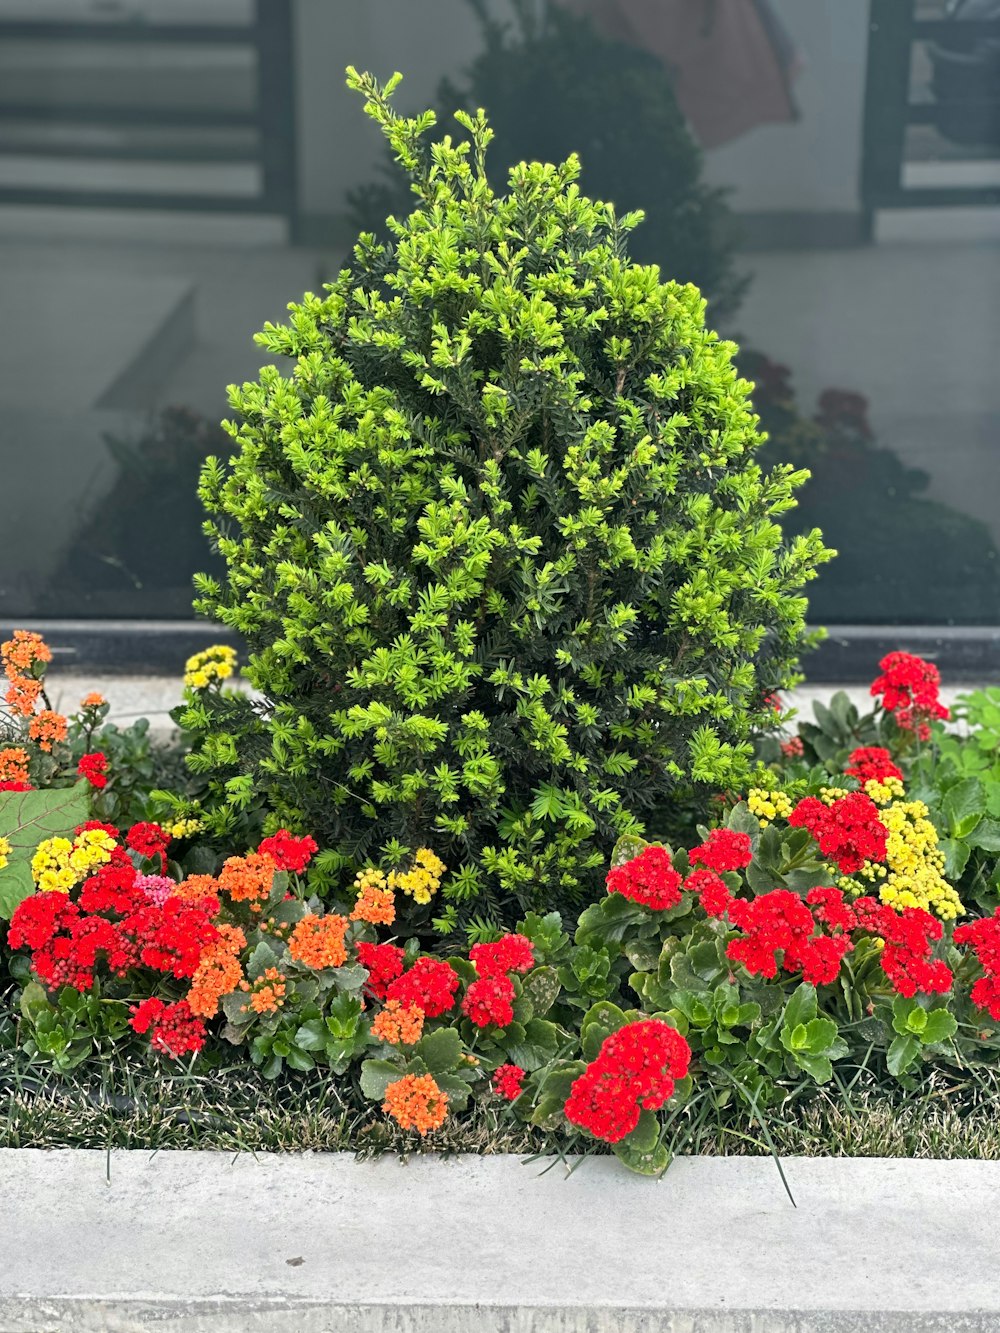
(884, 791)
(830, 794)
(211, 664)
(5, 851)
(913, 874)
(768, 805)
(423, 881)
(184, 828)
(59, 864)
(50, 866)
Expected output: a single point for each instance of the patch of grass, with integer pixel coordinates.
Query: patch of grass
(124, 1102)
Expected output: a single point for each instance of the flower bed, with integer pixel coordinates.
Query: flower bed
(825, 930)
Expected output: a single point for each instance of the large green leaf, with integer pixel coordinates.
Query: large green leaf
(376, 1075)
(964, 805)
(801, 1006)
(26, 819)
(902, 1053)
(541, 987)
(986, 835)
(440, 1050)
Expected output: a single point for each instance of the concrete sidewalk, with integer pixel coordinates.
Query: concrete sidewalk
(205, 1243)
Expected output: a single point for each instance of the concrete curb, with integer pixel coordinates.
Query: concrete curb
(207, 1243)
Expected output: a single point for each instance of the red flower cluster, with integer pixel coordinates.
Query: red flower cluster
(289, 853)
(648, 878)
(16, 786)
(148, 840)
(173, 1028)
(724, 849)
(66, 945)
(984, 937)
(872, 763)
(113, 922)
(507, 1080)
(909, 937)
(715, 896)
(384, 963)
(430, 984)
(909, 688)
(512, 953)
(94, 768)
(780, 922)
(831, 910)
(489, 1000)
(635, 1069)
(793, 748)
(849, 831)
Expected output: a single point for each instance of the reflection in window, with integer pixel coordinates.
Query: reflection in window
(172, 172)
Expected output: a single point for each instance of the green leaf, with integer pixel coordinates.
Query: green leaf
(902, 1053)
(956, 856)
(541, 986)
(312, 1036)
(457, 1089)
(818, 1067)
(964, 805)
(821, 1033)
(644, 1137)
(28, 818)
(604, 1014)
(260, 960)
(986, 835)
(376, 1075)
(440, 1050)
(800, 1007)
(940, 1026)
(652, 1163)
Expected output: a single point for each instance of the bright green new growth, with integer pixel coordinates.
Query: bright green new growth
(508, 571)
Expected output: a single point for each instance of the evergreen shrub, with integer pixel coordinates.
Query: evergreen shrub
(509, 574)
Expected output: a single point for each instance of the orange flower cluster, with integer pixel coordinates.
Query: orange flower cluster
(218, 972)
(23, 659)
(248, 878)
(196, 887)
(375, 905)
(399, 1024)
(93, 700)
(267, 994)
(318, 941)
(20, 653)
(416, 1102)
(22, 695)
(47, 729)
(14, 765)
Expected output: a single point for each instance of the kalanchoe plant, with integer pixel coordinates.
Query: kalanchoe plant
(952, 777)
(509, 574)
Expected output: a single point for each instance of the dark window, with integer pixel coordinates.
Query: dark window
(172, 172)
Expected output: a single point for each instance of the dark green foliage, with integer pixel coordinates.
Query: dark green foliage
(141, 540)
(509, 574)
(551, 85)
(903, 557)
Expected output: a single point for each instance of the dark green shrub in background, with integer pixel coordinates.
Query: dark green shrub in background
(869, 504)
(509, 574)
